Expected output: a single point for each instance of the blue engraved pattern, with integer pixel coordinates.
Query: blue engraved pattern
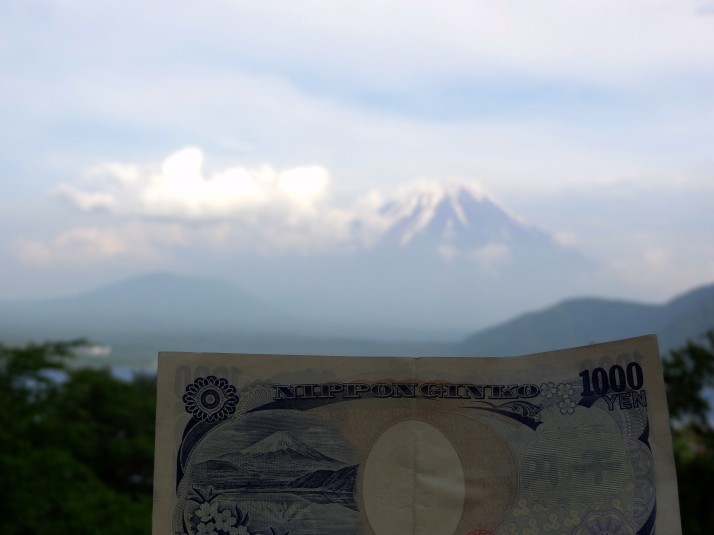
(269, 462)
(275, 472)
(209, 518)
(210, 399)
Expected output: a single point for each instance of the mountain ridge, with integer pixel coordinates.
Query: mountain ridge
(285, 441)
(570, 322)
(156, 301)
(587, 320)
(460, 215)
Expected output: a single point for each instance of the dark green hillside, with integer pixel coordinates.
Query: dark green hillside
(586, 321)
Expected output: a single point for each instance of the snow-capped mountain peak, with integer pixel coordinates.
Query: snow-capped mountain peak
(284, 441)
(458, 213)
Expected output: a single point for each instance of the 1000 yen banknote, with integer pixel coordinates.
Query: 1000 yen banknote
(572, 442)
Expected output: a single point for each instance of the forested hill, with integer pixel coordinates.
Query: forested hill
(589, 320)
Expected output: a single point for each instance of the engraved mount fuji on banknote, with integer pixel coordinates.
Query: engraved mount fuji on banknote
(570, 442)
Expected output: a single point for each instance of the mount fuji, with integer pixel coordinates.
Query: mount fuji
(285, 444)
(453, 219)
(441, 259)
(460, 215)
(274, 461)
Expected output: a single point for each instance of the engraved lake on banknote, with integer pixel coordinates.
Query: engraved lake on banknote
(301, 514)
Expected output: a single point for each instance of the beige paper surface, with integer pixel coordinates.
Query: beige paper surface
(570, 442)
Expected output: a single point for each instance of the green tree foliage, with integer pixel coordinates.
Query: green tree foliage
(689, 372)
(76, 445)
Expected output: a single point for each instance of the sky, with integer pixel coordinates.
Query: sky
(142, 136)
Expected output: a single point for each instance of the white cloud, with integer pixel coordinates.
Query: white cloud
(180, 190)
(87, 201)
(87, 245)
(257, 208)
(75, 246)
(305, 186)
(114, 170)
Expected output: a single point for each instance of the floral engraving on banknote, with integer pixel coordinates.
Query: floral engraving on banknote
(210, 399)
